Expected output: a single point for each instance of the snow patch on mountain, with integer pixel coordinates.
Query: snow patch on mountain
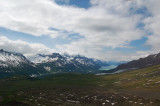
(47, 68)
(42, 59)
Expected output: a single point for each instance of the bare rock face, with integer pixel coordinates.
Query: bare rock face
(150, 60)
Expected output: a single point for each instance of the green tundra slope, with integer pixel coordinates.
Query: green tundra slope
(132, 88)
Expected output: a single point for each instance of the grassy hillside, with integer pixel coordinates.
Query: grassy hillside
(132, 88)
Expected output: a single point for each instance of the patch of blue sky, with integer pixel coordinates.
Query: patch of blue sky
(77, 3)
(143, 11)
(71, 36)
(46, 40)
(55, 29)
(59, 30)
(140, 25)
(75, 36)
(139, 45)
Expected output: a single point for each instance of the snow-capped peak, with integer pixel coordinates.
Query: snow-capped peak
(11, 59)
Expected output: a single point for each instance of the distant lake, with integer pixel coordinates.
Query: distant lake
(108, 67)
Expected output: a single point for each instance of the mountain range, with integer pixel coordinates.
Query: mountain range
(15, 63)
(65, 63)
(12, 63)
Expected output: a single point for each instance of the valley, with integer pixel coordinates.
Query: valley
(131, 88)
(65, 80)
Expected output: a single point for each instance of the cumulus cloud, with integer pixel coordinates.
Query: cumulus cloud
(36, 17)
(26, 48)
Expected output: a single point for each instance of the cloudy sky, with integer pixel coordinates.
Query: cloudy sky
(118, 30)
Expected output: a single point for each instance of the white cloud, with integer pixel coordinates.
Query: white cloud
(37, 16)
(103, 26)
(26, 48)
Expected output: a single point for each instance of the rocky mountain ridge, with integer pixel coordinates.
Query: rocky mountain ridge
(150, 60)
(65, 63)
